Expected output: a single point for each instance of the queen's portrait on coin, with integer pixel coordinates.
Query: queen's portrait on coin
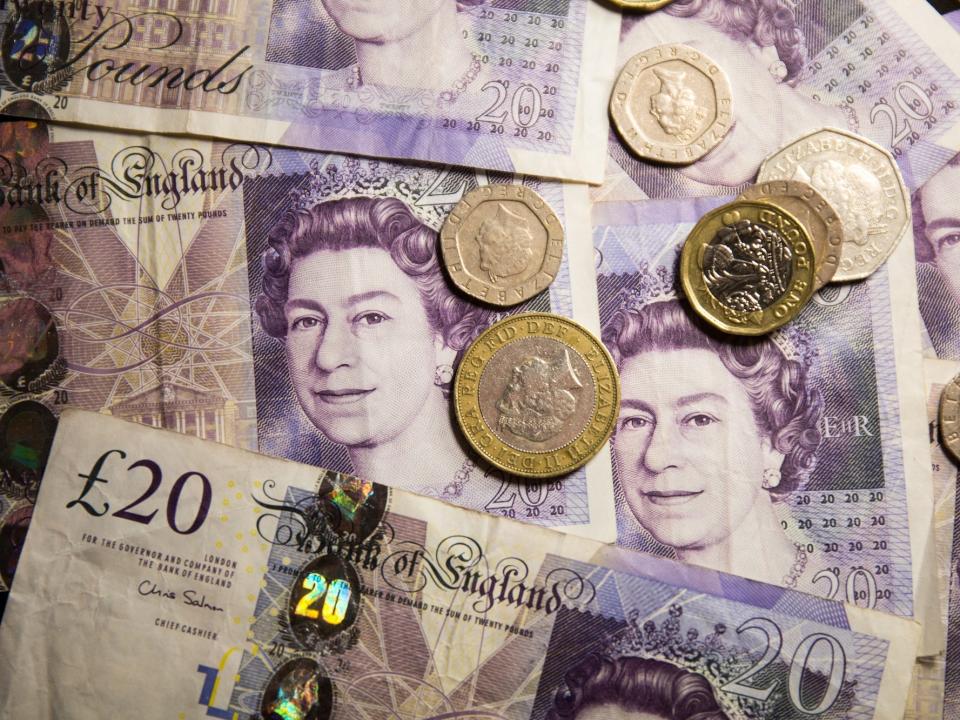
(504, 243)
(936, 234)
(761, 47)
(711, 436)
(354, 290)
(408, 43)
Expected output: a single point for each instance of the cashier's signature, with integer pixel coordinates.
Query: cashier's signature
(148, 588)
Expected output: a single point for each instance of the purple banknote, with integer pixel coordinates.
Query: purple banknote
(796, 459)
(284, 591)
(510, 85)
(886, 69)
(285, 301)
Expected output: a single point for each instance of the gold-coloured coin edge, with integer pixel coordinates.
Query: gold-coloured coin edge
(485, 291)
(645, 5)
(658, 152)
(827, 249)
(535, 465)
(700, 297)
(949, 417)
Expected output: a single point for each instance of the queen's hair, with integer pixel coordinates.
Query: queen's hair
(764, 22)
(923, 248)
(364, 222)
(635, 684)
(785, 410)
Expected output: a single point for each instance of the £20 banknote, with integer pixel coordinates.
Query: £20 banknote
(280, 590)
(150, 278)
(799, 459)
(515, 85)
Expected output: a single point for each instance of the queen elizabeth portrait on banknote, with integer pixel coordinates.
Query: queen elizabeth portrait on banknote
(711, 436)
(936, 235)
(396, 43)
(354, 290)
(634, 688)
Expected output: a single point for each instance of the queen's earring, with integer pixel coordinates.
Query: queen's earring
(443, 375)
(771, 478)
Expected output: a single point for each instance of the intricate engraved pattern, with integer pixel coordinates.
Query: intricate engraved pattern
(539, 398)
(505, 241)
(814, 212)
(536, 395)
(672, 104)
(502, 244)
(747, 267)
(675, 107)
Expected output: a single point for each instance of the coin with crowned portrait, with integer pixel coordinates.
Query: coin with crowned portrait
(502, 244)
(536, 395)
(646, 5)
(672, 104)
(861, 181)
(748, 267)
(815, 213)
(949, 417)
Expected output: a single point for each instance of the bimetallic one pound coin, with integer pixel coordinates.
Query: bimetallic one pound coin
(502, 244)
(861, 181)
(646, 5)
(748, 267)
(814, 213)
(672, 104)
(537, 395)
(950, 418)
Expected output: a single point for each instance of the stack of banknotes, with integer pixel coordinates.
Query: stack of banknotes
(769, 532)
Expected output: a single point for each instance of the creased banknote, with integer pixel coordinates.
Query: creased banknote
(885, 69)
(156, 279)
(279, 590)
(932, 676)
(509, 85)
(799, 459)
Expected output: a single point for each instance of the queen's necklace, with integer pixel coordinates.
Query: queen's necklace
(799, 565)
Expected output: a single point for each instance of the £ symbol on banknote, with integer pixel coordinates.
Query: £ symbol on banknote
(133, 511)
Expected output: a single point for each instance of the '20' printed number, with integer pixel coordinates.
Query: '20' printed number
(799, 665)
(336, 598)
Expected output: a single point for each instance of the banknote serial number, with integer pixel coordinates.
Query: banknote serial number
(138, 510)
